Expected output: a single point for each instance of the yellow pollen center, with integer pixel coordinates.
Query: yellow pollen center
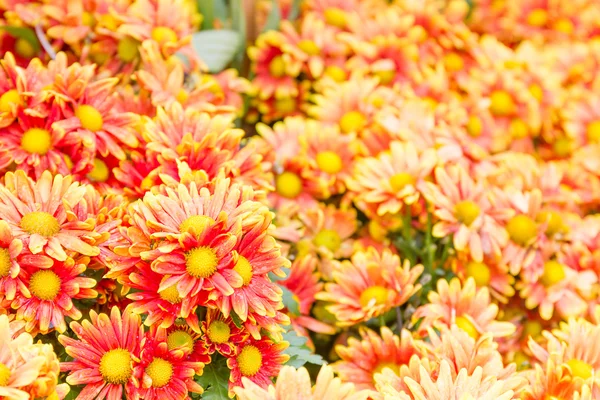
(4, 375)
(400, 180)
(502, 104)
(385, 76)
(9, 99)
(480, 272)
(87, 19)
(249, 360)
(518, 129)
(453, 62)
(243, 267)
(128, 49)
(554, 221)
(45, 285)
(521, 229)
(466, 212)
(182, 96)
(474, 126)
(288, 184)
(180, 339)
(373, 296)
(329, 162)
(163, 35)
(381, 366)
(522, 360)
(537, 17)
(40, 222)
(115, 366)
(536, 91)
(170, 294)
(563, 25)
(593, 132)
(36, 141)
(309, 47)
(336, 73)
(377, 231)
(24, 48)
(532, 328)
(554, 272)
(219, 332)
(196, 224)
(335, 17)
(5, 263)
(90, 118)
(580, 368)
(352, 121)
(100, 172)
(467, 326)
(277, 67)
(201, 262)
(285, 105)
(329, 239)
(562, 147)
(160, 371)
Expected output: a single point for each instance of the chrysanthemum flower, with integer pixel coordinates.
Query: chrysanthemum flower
(104, 354)
(219, 333)
(40, 214)
(581, 119)
(182, 338)
(296, 383)
(491, 273)
(10, 249)
(258, 361)
(369, 285)
(465, 306)
(362, 358)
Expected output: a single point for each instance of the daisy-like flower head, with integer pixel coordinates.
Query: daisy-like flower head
(362, 358)
(40, 214)
(463, 305)
(184, 339)
(258, 360)
(369, 285)
(296, 383)
(105, 352)
(489, 272)
(581, 119)
(219, 333)
(10, 249)
(388, 182)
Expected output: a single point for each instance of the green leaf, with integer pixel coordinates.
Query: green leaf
(216, 48)
(238, 23)
(289, 302)
(28, 34)
(274, 17)
(275, 278)
(215, 380)
(299, 353)
(236, 319)
(471, 5)
(207, 9)
(295, 10)
(221, 12)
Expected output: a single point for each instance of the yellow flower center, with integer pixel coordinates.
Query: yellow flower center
(453, 62)
(182, 96)
(277, 67)
(562, 147)
(474, 126)
(532, 328)
(36, 141)
(554, 221)
(180, 339)
(329, 239)
(219, 332)
(163, 34)
(40, 222)
(467, 326)
(90, 118)
(45, 285)
(593, 131)
(170, 294)
(243, 267)
(24, 48)
(537, 17)
(518, 129)
(196, 224)
(536, 91)
(430, 102)
(309, 47)
(115, 366)
(554, 272)
(352, 121)
(5, 263)
(564, 25)
(249, 360)
(521, 229)
(381, 366)
(201, 262)
(87, 19)
(4, 375)
(109, 22)
(335, 17)
(160, 371)
(8, 99)
(288, 184)
(336, 73)
(480, 272)
(502, 104)
(285, 105)
(377, 231)
(329, 162)
(385, 76)
(522, 361)
(400, 180)
(466, 212)
(128, 49)
(100, 172)
(373, 296)
(580, 368)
